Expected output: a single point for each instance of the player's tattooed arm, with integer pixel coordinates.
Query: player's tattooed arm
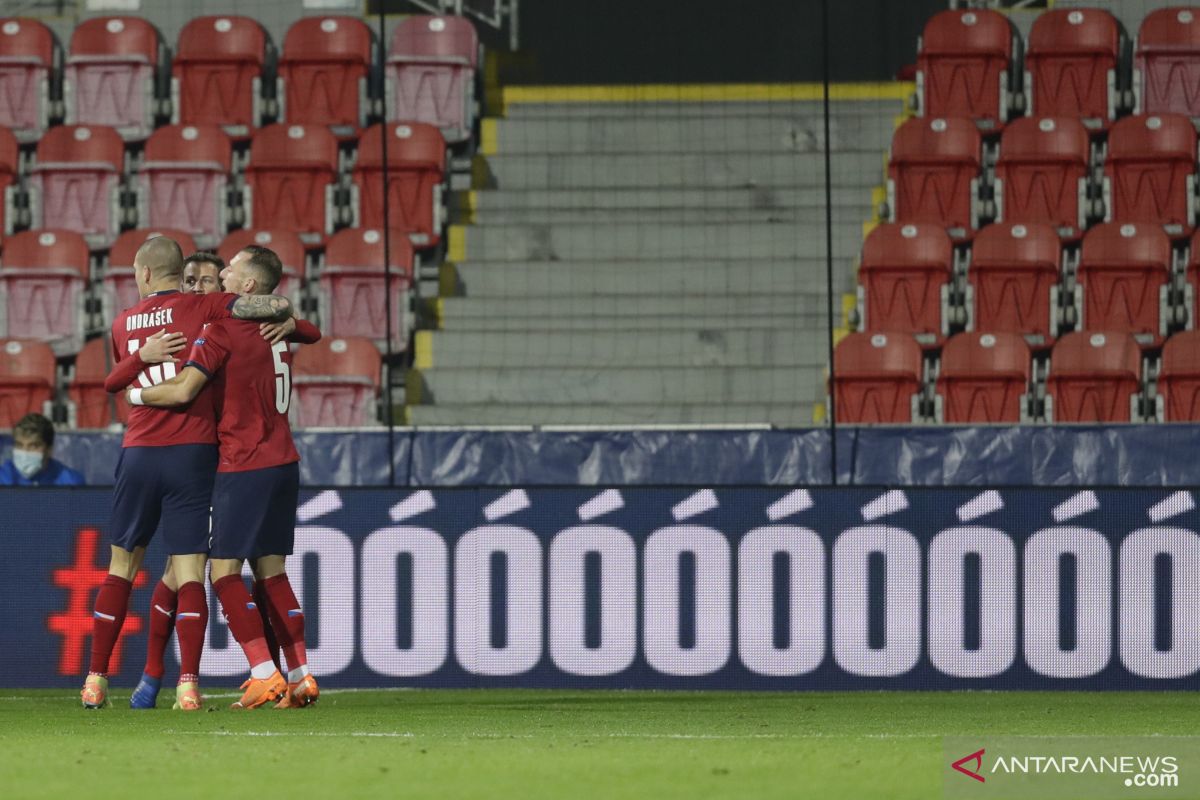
(178, 391)
(265, 307)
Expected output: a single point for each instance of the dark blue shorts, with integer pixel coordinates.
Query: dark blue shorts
(172, 485)
(254, 512)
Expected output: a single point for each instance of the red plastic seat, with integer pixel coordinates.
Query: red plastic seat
(984, 377)
(182, 181)
(1166, 66)
(119, 286)
(10, 162)
(1124, 272)
(963, 66)
(877, 378)
(110, 75)
(430, 74)
(42, 280)
(76, 183)
(1179, 379)
(1071, 66)
(933, 174)
(1042, 174)
(1013, 281)
(217, 74)
(416, 167)
(1150, 172)
(89, 406)
(336, 382)
(27, 380)
(287, 246)
(904, 274)
(1093, 376)
(29, 56)
(352, 296)
(324, 73)
(290, 180)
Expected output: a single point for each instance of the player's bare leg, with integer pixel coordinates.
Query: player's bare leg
(112, 604)
(266, 684)
(287, 619)
(163, 605)
(190, 626)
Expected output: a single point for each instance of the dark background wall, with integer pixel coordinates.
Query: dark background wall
(710, 41)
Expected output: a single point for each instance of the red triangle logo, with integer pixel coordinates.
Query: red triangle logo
(977, 758)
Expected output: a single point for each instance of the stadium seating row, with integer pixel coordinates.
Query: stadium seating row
(970, 64)
(118, 72)
(188, 179)
(1092, 376)
(336, 383)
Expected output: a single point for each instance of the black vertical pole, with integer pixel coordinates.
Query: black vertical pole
(387, 256)
(831, 412)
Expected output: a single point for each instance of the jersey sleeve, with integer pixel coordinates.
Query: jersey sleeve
(305, 333)
(210, 351)
(124, 373)
(218, 305)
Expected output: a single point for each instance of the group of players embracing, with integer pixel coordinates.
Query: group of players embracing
(208, 454)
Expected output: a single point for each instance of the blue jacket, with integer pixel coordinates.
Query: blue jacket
(55, 474)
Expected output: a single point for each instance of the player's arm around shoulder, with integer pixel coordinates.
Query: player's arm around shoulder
(265, 307)
(180, 390)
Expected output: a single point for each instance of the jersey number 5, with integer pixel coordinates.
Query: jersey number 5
(155, 373)
(283, 378)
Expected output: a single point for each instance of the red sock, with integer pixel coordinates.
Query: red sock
(191, 625)
(287, 618)
(244, 622)
(264, 613)
(162, 622)
(112, 602)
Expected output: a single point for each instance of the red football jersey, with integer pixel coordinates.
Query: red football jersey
(252, 394)
(176, 312)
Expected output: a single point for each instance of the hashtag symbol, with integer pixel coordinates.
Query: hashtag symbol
(81, 580)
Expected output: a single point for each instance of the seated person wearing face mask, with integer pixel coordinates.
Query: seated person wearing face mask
(31, 464)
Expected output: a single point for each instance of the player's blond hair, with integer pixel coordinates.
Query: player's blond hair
(163, 256)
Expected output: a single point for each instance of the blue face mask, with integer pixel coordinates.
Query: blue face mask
(28, 462)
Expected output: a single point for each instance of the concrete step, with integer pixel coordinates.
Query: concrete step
(764, 198)
(625, 348)
(792, 323)
(676, 171)
(785, 415)
(556, 279)
(768, 132)
(600, 386)
(806, 110)
(649, 308)
(632, 241)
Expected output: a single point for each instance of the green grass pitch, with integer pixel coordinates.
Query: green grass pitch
(538, 744)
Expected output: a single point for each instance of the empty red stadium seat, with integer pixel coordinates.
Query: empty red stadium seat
(324, 70)
(1178, 396)
(904, 274)
(110, 75)
(89, 406)
(42, 281)
(287, 246)
(290, 180)
(933, 174)
(431, 74)
(76, 183)
(1150, 172)
(182, 180)
(416, 166)
(1094, 377)
(336, 382)
(877, 378)
(10, 162)
(1013, 281)
(1042, 174)
(1124, 272)
(1166, 66)
(352, 296)
(120, 289)
(963, 66)
(29, 56)
(984, 378)
(217, 74)
(1071, 66)
(27, 380)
